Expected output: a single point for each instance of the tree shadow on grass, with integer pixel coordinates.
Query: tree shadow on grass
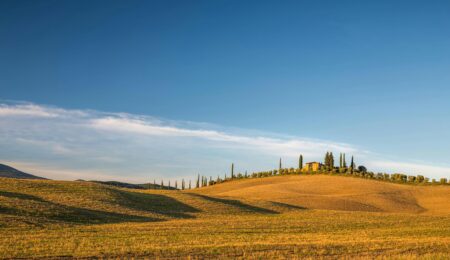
(23, 196)
(238, 204)
(155, 203)
(39, 208)
(285, 205)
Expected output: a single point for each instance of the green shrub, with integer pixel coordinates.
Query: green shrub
(420, 179)
(411, 178)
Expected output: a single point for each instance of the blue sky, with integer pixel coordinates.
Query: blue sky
(370, 75)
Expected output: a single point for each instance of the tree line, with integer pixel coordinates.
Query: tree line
(327, 167)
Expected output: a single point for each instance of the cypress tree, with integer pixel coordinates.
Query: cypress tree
(279, 167)
(182, 184)
(176, 185)
(154, 184)
(189, 184)
(331, 161)
(162, 184)
(327, 160)
(340, 160)
(232, 171)
(300, 162)
(198, 182)
(169, 185)
(352, 165)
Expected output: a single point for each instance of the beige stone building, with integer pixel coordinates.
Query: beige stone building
(312, 167)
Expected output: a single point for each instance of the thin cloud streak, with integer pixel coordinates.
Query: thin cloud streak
(29, 110)
(133, 147)
(289, 147)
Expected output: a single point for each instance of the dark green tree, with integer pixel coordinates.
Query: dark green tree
(326, 161)
(300, 162)
(362, 168)
(232, 171)
(331, 161)
(279, 167)
(197, 185)
(352, 165)
(189, 184)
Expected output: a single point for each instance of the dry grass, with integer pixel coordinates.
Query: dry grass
(338, 193)
(256, 219)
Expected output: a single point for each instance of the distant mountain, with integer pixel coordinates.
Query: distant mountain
(9, 172)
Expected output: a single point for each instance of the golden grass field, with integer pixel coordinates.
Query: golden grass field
(316, 216)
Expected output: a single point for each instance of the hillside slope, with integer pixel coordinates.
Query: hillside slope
(265, 218)
(9, 172)
(337, 193)
(41, 202)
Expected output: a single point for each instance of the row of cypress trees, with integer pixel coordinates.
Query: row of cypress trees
(328, 167)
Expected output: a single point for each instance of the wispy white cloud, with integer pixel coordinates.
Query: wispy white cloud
(286, 146)
(32, 110)
(29, 110)
(81, 143)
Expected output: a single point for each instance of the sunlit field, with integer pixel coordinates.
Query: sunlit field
(238, 219)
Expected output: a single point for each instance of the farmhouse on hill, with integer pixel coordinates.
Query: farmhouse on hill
(312, 167)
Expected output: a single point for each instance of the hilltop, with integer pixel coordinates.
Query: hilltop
(9, 172)
(337, 193)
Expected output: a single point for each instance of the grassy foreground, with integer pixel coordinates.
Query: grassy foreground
(44, 219)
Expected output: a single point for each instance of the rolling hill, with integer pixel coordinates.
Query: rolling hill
(9, 172)
(279, 217)
(337, 193)
(48, 201)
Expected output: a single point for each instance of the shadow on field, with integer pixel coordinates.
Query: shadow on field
(155, 203)
(39, 209)
(285, 205)
(15, 195)
(237, 203)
